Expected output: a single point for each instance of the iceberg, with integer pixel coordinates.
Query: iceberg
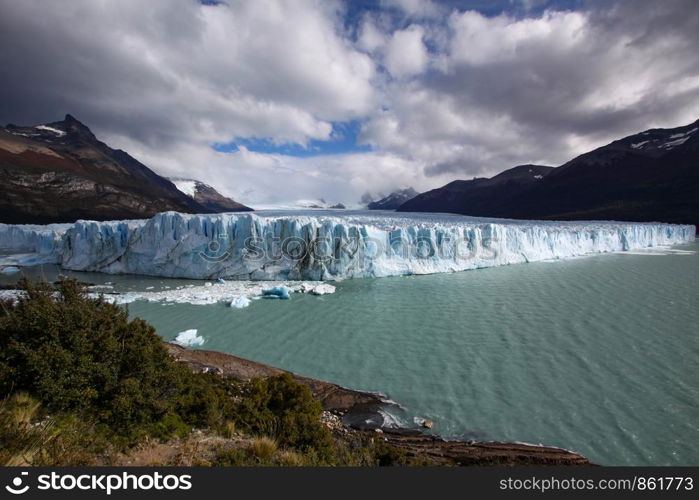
(278, 291)
(188, 338)
(319, 246)
(239, 302)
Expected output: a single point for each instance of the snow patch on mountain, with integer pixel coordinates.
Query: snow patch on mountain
(59, 133)
(187, 186)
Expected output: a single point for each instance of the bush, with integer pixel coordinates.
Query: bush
(284, 409)
(263, 448)
(83, 355)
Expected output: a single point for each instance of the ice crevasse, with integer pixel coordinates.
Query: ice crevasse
(318, 246)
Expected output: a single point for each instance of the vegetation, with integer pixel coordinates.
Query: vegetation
(81, 384)
(83, 356)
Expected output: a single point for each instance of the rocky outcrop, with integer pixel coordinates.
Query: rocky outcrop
(479, 453)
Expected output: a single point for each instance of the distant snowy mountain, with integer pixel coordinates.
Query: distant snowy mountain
(319, 203)
(393, 200)
(207, 196)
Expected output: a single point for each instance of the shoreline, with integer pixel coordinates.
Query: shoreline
(349, 408)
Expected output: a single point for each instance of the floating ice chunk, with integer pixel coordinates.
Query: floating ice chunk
(239, 302)
(229, 292)
(313, 289)
(323, 289)
(10, 270)
(278, 291)
(101, 287)
(221, 281)
(188, 338)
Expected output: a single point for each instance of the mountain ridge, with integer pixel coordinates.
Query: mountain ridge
(646, 177)
(207, 196)
(61, 172)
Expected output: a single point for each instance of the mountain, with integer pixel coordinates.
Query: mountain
(650, 176)
(479, 196)
(207, 197)
(60, 172)
(319, 203)
(393, 200)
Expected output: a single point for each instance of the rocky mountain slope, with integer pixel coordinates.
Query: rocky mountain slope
(650, 176)
(207, 196)
(60, 172)
(393, 200)
(479, 196)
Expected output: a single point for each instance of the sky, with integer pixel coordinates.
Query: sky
(276, 101)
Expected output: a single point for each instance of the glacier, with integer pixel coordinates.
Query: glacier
(318, 245)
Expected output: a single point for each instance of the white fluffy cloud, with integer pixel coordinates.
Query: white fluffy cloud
(441, 93)
(406, 55)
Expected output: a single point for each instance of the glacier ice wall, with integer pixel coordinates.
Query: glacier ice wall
(325, 246)
(26, 244)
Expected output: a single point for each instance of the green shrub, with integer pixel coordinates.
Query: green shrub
(284, 409)
(83, 355)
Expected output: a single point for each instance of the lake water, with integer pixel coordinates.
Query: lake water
(599, 355)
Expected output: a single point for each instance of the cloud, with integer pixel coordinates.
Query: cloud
(406, 55)
(441, 92)
(174, 71)
(511, 90)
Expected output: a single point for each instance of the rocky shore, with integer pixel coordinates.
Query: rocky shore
(347, 410)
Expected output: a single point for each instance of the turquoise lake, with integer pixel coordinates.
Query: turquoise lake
(599, 355)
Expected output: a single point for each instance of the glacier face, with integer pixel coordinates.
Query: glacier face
(319, 245)
(28, 245)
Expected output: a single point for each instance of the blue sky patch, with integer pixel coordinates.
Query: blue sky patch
(343, 140)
